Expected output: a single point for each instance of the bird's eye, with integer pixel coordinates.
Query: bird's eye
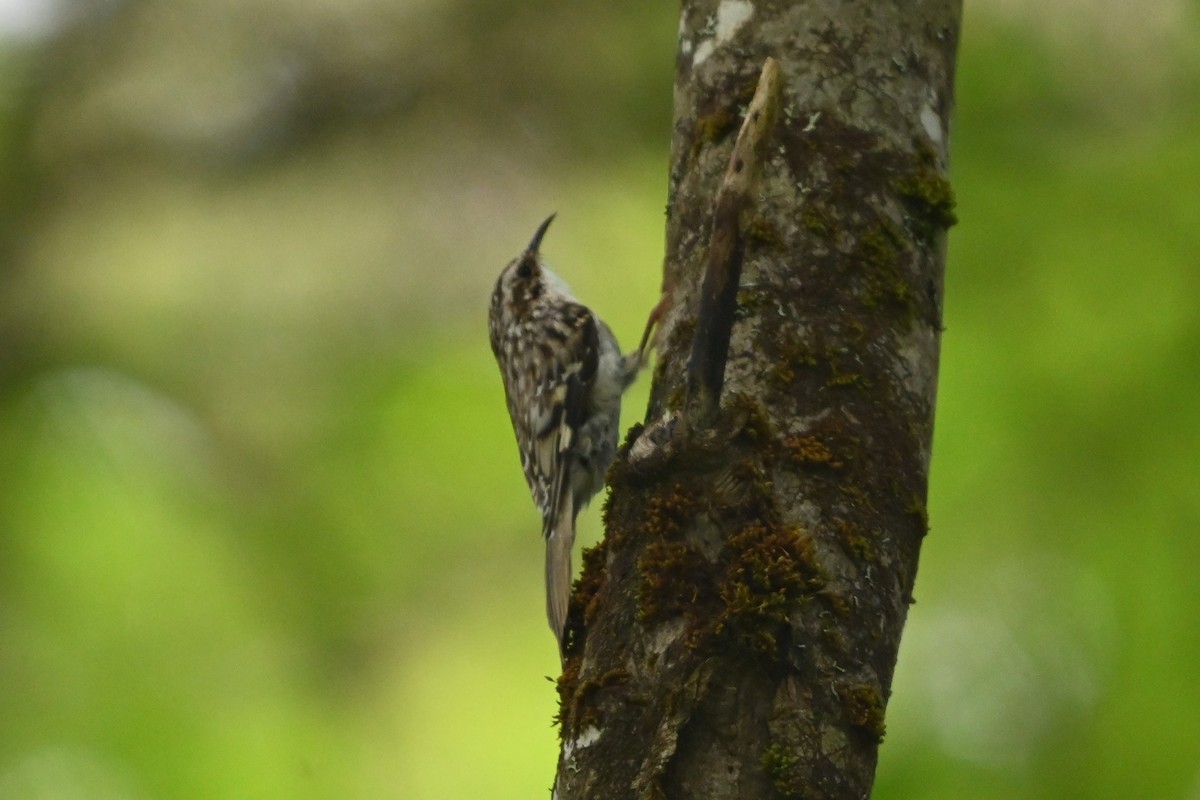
(524, 271)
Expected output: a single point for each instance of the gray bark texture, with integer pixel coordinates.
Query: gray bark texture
(735, 633)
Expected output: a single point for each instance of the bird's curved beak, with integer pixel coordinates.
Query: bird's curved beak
(536, 242)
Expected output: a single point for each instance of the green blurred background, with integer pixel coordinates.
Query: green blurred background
(263, 532)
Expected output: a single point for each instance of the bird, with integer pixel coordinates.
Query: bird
(564, 375)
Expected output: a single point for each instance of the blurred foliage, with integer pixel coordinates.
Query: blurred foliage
(263, 532)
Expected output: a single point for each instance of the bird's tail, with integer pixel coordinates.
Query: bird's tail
(558, 575)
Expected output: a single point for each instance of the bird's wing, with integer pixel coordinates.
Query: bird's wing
(560, 370)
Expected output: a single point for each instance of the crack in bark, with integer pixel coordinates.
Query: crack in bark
(718, 295)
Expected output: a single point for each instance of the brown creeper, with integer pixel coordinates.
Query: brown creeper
(563, 377)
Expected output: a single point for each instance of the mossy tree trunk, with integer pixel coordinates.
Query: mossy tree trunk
(735, 634)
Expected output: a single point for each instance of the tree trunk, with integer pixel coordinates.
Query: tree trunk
(735, 634)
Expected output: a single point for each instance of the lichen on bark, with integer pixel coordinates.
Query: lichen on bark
(736, 632)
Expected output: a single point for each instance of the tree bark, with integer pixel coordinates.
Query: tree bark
(735, 633)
